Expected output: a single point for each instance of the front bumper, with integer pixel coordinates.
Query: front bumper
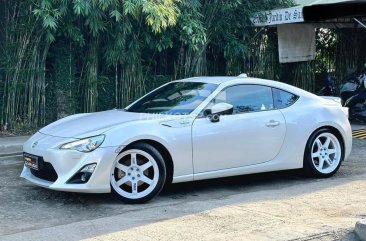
(67, 163)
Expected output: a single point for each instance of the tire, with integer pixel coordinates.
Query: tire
(324, 153)
(138, 174)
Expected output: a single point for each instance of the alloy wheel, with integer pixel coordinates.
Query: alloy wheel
(326, 153)
(135, 174)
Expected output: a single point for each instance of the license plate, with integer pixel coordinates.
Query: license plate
(31, 161)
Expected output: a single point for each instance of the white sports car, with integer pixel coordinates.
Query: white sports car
(187, 130)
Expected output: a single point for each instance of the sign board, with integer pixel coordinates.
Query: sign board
(278, 16)
(296, 42)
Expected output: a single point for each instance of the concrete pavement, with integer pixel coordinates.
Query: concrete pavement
(177, 214)
(12, 145)
(326, 209)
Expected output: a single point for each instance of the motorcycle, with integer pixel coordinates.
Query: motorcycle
(329, 86)
(353, 96)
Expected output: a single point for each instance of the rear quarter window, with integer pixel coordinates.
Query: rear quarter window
(283, 99)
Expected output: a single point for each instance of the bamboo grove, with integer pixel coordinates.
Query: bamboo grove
(60, 57)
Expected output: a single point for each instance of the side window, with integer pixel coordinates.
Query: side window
(246, 98)
(283, 99)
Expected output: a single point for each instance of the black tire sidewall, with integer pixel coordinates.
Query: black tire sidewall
(161, 180)
(309, 167)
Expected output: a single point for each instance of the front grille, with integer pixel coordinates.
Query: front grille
(45, 171)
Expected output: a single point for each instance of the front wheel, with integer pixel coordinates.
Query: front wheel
(138, 174)
(323, 153)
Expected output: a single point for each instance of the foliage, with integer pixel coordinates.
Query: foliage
(67, 56)
(23, 61)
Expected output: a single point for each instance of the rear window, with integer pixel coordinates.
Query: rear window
(283, 99)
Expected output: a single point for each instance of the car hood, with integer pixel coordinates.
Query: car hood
(82, 125)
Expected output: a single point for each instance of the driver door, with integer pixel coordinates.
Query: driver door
(253, 134)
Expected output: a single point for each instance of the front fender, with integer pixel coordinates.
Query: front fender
(176, 140)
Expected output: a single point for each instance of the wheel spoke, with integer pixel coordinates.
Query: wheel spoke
(328, 161)
(315, 154)
(319, 143)
(327, 142)
(122, 180)
(321, 163)
(146, 180)
(332, 151)
(122, 167)
(133, 159)
(134, 187)
(145, 166)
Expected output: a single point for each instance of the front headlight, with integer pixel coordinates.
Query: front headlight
(84, 145)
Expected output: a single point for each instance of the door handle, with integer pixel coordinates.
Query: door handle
(272, 123)
(184, 122)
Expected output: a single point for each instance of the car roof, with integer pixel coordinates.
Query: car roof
(210, 79)
(227, 80)
(232, 80)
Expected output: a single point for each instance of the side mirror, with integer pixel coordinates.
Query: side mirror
(219, 109)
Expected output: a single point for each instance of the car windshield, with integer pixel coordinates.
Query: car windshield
(178, 98)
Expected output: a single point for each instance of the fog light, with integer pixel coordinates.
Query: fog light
(83, 175)
(89, 168)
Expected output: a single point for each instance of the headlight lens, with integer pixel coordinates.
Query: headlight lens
(85, 145)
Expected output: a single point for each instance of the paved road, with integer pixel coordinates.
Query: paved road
(271, 206)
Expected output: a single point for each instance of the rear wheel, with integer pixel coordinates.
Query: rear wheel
(138, 174)
(323, 153)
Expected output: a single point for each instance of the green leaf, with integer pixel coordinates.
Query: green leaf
(50, 37)
(49, 22)
(116, 14)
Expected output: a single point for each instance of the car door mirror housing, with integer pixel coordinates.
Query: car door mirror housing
(219, 109)
(222, 109)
